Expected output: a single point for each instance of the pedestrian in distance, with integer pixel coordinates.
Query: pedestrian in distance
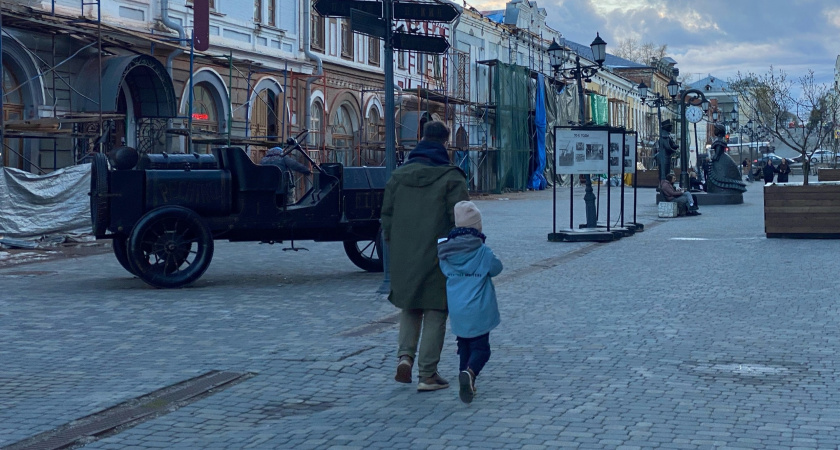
(745, 167)
(672, 194)
(469, 266)
(783, 170)
(769, 171)
(418, 209)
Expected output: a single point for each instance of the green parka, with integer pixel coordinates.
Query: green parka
(418, 209)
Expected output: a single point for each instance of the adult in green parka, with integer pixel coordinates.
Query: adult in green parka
(418, 209)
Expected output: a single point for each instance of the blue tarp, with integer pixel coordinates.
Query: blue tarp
(538, 181)
(497, 17)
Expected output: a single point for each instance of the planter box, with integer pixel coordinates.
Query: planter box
(792, 210)
(828, 174)
(650, 178)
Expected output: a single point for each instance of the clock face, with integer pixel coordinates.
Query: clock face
(694, 114)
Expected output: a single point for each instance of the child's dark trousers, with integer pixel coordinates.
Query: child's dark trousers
(474, 352)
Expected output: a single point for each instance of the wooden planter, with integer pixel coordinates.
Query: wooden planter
(650, 178)
(792, 210)
(828, 174)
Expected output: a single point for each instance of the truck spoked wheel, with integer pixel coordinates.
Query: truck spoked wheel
(366, 254)
(120, 245)
(170, 247)
(100, 207)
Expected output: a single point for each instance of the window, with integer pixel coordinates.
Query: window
(12, 110)
(264, 120)
(212, 3)
(258, 11)
(373, 51)
(374, 126)
(437, 67)
(401, 59)
(342, 128)
(316, 29)
(205, 116)
(272, 12)
(346, 40)
(316, 122)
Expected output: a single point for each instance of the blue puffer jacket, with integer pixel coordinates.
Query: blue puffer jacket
(468, 265)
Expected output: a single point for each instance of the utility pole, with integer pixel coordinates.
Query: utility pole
(390, 126)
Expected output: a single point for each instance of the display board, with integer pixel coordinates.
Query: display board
(631, 146)
(580, 150)
(617, 143)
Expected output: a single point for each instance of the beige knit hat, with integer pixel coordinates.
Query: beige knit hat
(467, 215)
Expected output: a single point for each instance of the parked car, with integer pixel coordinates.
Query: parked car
(164, 211)
(824, 156)
(758, 164)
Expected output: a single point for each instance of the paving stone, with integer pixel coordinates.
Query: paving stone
(597, 347)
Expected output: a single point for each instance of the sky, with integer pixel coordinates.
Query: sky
(717, 37)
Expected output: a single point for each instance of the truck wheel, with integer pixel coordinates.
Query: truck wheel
(366, 254)
(170, 247)
(120, 245)
(100, 207)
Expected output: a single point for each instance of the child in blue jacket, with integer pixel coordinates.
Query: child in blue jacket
(468, 265)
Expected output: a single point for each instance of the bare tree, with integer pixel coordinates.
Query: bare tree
(643, 53)
(800, 114)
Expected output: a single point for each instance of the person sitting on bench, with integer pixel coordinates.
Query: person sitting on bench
(672, 194)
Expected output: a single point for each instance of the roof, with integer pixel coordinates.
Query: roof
(611, 61)
(714, 84)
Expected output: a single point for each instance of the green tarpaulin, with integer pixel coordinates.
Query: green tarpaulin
(512, 105)
(600, 111)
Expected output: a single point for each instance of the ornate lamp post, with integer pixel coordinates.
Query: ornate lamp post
(559, 56)
(754, 131)
(658, 100)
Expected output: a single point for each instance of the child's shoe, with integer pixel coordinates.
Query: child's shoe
(466, 381)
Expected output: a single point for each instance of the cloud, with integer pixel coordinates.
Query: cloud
(832, 16)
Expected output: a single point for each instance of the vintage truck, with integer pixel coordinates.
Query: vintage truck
(164, 211)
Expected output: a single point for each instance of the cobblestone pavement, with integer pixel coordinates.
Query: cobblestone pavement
(696, 333)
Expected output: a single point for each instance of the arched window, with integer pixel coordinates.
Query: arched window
(374, 126)
(343, 130)
(12, 110)
(205, 116)
(316, 123)
(265, 122)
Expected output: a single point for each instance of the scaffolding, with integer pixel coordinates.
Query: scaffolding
(86, 130)
(441, 90)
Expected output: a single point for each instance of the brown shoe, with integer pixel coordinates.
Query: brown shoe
(432, 383)
(404, 369)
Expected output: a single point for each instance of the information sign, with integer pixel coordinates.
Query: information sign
(580, 151)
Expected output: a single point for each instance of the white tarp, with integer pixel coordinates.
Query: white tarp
(33, 206)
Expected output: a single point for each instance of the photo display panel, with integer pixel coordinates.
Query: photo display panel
(631, 142)
(580, 151)
(617, 146)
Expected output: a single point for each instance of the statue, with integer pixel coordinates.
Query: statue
(724, 174)
(665, 148)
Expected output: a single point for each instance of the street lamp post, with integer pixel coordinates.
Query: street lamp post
(658, 100)
(733, 116)
(559, 55)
